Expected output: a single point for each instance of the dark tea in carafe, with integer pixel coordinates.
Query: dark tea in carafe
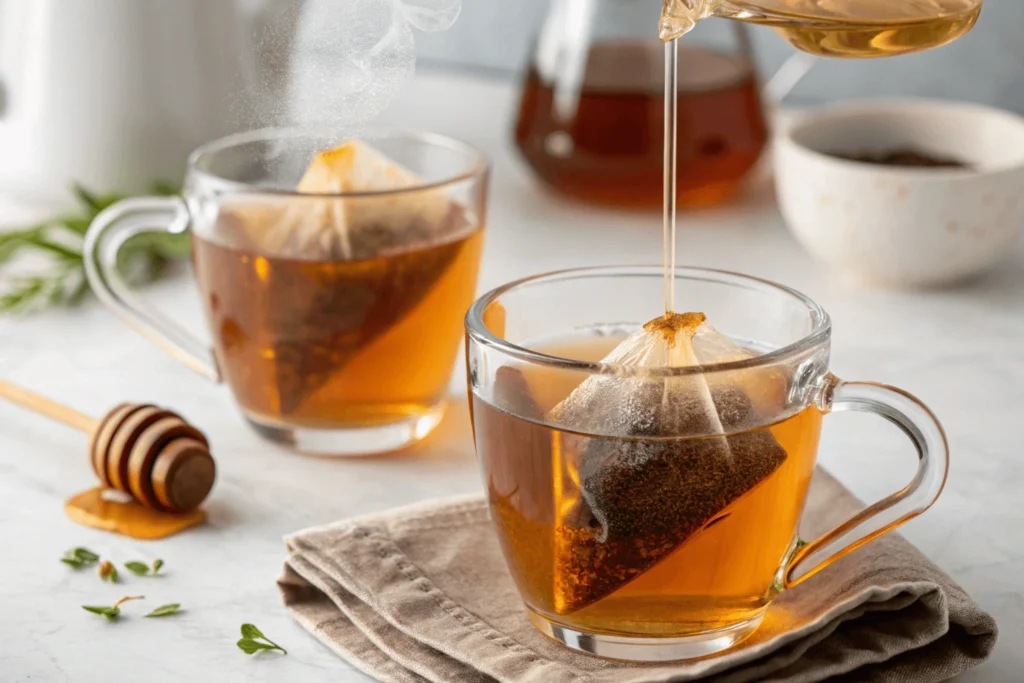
(609, 150)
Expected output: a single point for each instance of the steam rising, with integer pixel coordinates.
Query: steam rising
(365, 52)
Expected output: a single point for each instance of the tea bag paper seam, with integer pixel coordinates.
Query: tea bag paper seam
(372, 541)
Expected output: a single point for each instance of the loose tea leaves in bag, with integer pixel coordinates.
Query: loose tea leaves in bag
(640, 493)
(351, 227)
(329, 275)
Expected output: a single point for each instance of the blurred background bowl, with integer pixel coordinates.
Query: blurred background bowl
(902, 226)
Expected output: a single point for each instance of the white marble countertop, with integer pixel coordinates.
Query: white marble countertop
(959, 349)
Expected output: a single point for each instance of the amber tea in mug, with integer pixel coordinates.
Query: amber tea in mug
(333, 344)
(334, 274)
(636, 524)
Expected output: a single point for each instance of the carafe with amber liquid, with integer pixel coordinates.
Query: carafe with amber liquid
(592, 114)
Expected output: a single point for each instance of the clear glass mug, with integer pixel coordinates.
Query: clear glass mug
(332, 340)
(648, 545)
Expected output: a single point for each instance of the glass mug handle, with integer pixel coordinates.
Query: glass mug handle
(917, 422)
(106, 236)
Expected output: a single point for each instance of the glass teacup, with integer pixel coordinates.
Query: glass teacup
(635, 544)
(333, 340)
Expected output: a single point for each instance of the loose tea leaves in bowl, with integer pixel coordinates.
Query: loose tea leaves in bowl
(903, 157)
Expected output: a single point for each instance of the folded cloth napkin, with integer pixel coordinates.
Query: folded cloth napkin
(422, 594)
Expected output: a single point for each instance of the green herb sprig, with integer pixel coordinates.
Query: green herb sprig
(142, 569)
(142, 259)
(165, 610)
(250, 641)
(114, 611)
(80, 557)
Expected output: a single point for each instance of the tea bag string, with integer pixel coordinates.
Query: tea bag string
(47, 407)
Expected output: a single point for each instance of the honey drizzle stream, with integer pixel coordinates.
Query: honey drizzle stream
(669, 212)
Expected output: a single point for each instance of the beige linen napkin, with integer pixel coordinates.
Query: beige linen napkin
(422, 594)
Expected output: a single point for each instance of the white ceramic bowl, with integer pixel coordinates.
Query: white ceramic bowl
(896, 226)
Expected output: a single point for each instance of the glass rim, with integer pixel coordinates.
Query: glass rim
(478, 331)
(478, 166)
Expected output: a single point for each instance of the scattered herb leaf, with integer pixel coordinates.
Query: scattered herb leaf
(143, 569)
(79, 557)
(114, 611)
(252, 646)
(137, 568)
(86, 555)
(111, 613)
(250, 641)
(165, 610)
(250, 631)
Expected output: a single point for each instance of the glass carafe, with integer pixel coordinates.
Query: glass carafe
(591, 116)
(838, 28)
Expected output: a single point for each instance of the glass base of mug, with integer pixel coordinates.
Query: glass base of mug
(352, 441)
(639, 649)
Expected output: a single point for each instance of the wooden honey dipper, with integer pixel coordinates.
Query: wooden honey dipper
(150, 453)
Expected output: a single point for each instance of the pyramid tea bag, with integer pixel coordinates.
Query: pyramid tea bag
(351, 227)
(636, 494)
(325, 277)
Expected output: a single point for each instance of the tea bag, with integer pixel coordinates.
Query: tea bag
(636, 496)
(334, 274)
(352, 227)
